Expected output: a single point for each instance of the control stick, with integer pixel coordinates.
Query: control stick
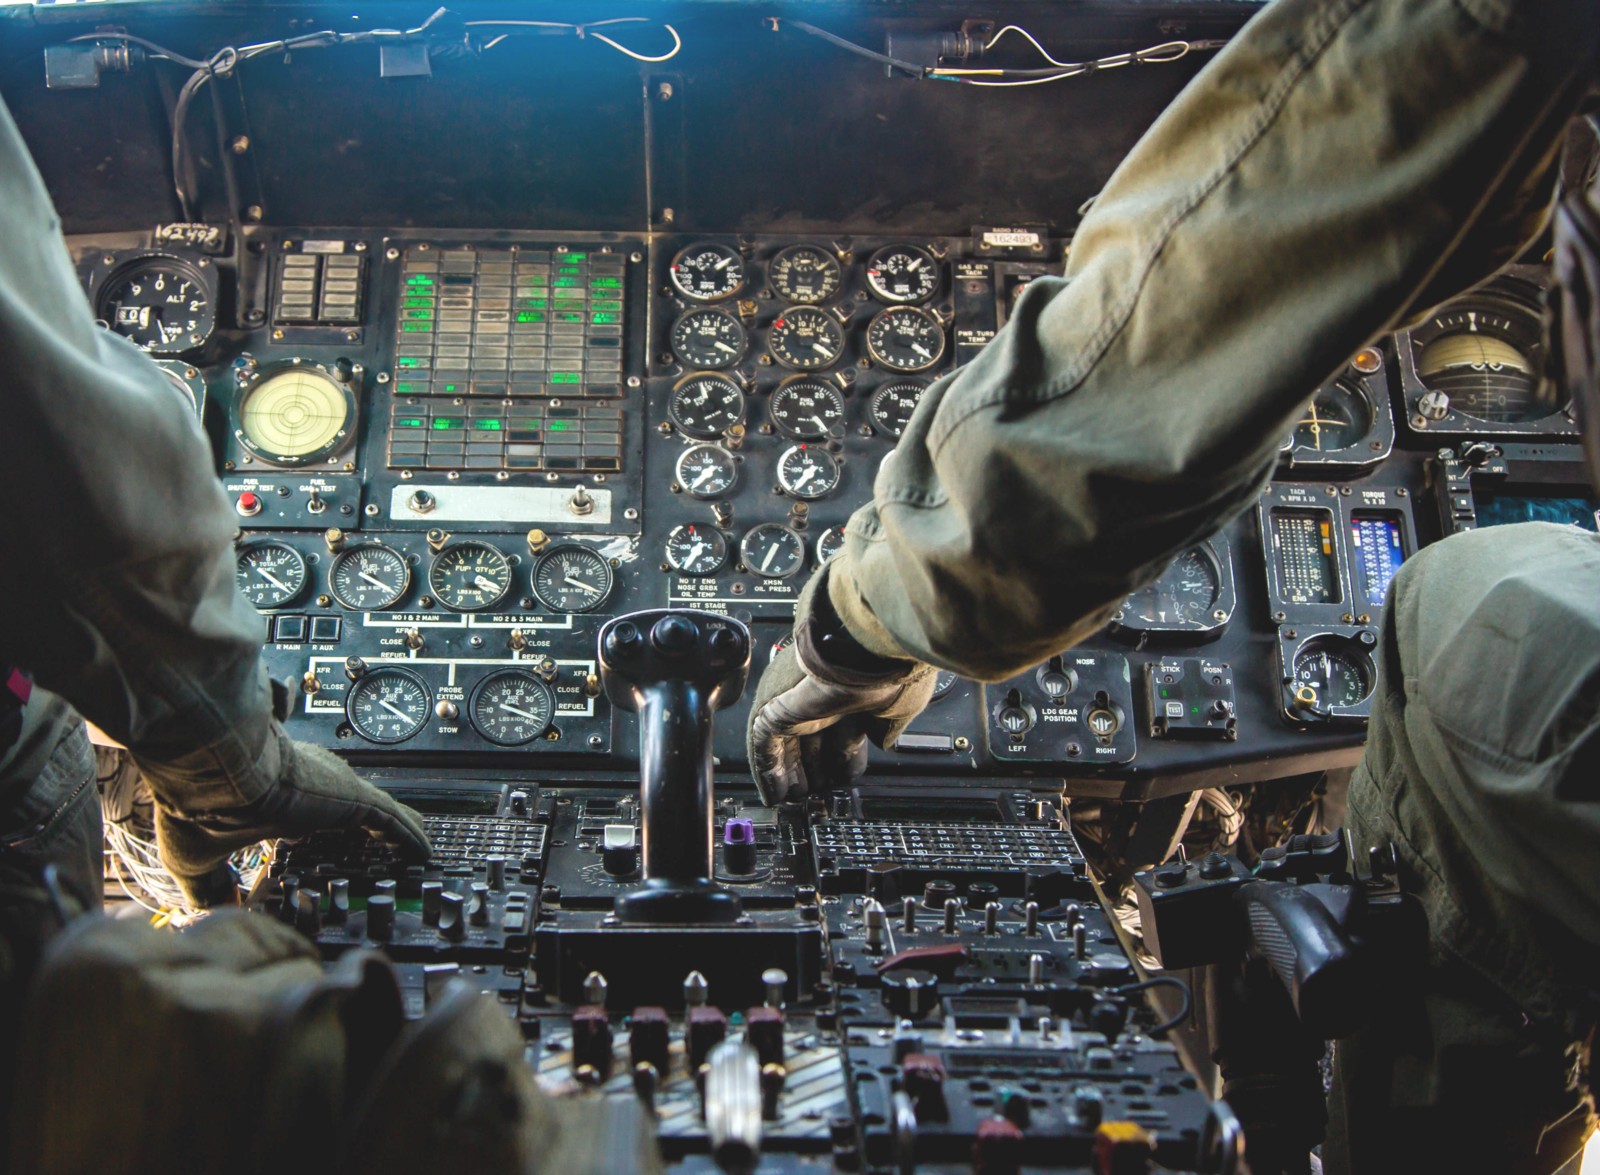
(674, 667)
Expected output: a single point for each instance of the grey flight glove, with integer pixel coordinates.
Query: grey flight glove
(821, 698)
(316, 790)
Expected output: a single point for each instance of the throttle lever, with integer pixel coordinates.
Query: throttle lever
(1303, 933)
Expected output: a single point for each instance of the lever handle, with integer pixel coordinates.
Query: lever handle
(1302, 932)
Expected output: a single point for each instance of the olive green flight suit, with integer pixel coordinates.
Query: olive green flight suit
(1341, 166)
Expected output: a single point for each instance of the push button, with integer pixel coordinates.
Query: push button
(325, 629)
(289, 630)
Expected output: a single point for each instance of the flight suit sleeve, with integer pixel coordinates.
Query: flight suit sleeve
(117, 587)
(1341, 165)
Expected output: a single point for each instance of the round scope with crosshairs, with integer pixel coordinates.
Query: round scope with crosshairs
(296, 415)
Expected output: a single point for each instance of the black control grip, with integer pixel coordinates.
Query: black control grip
(1307, 945)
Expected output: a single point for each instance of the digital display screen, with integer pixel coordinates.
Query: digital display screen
(946, 810)
(1378, 551)
(1302, 544)
(432, 803)
(1504, 509)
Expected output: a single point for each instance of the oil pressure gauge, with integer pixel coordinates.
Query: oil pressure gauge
(772, 550)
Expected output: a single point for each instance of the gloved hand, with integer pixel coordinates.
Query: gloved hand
(821, 698)
(317, 790)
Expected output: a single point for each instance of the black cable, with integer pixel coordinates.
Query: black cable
(912, 67)
(158, 51)
(1165, 1026)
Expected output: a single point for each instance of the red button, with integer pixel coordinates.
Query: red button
(248, 504)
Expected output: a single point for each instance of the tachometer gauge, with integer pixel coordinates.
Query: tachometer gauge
(470, 576)
(706, 406)
(369, 578)
(708, 338)
(1330, 672)
(807, 409)
(1338, 417)
(572, 578)
(892, 406)
(708, 272)
(388, 705)
(295, 415)
(511, 707)
(807, 274)
(160, 304)
(906, 338)
(903, 273)
(270, 574)
(805, 338)
(808, 472)
(1485, 354)
(696, 550)
(772, 550)
(706, 471)
(829, 543)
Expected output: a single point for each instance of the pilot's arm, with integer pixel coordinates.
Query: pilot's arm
(117, 585)
(1340, 165)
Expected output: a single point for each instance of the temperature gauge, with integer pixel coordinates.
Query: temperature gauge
(906, 338)
(806, 274)
(388, 705)
(511, 707)
(572, 578)
(706, 471)
(708, 338)
(708, 272)
(903, 273)
(805, 338)
(829, 543)
(696, 550)
(807, 472)
(772, 550)
(270, 574)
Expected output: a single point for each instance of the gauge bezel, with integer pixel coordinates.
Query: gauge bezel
(261, 545)
(890, 313)
(889, 299)
(1351, 644)
(185, 377)
(703, 299)
(823, 456)
(799, 543)
(1373, 446)
(499, 675)
(722, 552)
(787, 388)
(250, 384)
(1217, 552)
(450, 548)
(708, 312)
(364, 682)
(348, 555)
(837, 336)
(549, 555)
(835, 268)
(822, 560)
(114, 266)
(683, 483)
(879, 394)
(700, 433)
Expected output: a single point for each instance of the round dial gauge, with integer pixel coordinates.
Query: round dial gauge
(893, 404)
(572, 578)
(772, 550)
(696, 550)
(511, 707)
(943, 683)
(185, 380)
(295, 416)
(829, 543)
(706, 406)
(708, 338)
(806, 274)
(270, 574)
(1182, 597)
(160, 304)
(708, 272)
(902, 273)
(370, 578)
(807, 409)
(388, 705)
(1486, 355)
(805, 338)
(1338, 417)
(705, 471)
(808, 472)
(1336, 672)
(906, 338)
(470, 576)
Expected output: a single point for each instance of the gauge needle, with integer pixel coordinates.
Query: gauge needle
(695, 552)
(393, 709)
(705, 475)
(374, 581)
(520, 713)
(273, 580)
(724, 263)
(820, 349)
(721, 346)
(811, 471)
(820, 423)
(578, 583)
(921, 350)
(484, 583)
(766, 562)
